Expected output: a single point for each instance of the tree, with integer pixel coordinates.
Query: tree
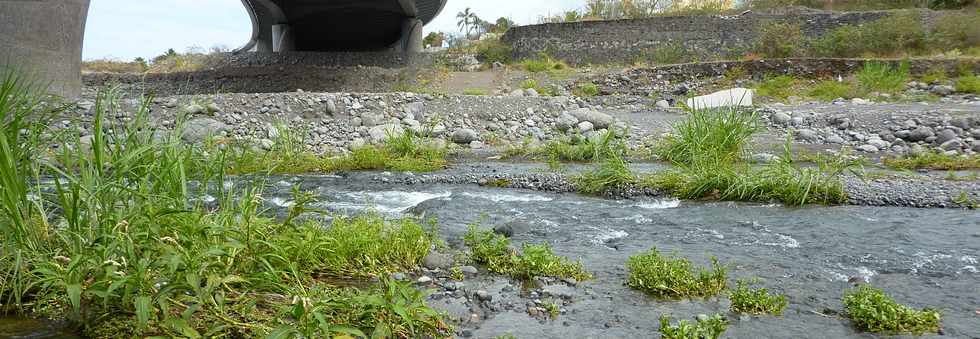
(502, 25)
(468, 21)
(434, 39)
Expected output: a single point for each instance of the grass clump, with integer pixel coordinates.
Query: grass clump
(543, 63)
(599, 147)
(493, 251)
(829, 90)
(968, 84)
(492, 50)
(533, 84)
(611, 174)
(704, 328)
(881, 77)
(778, 87)
(778, 40)
(474, 91)
(120, 243)
(667, 54)
(669, 277)
(586, 90)
(934, 160)
(759, 301)
(718, 134)
(872, 310)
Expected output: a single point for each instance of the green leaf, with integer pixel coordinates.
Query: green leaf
(142, 305)
(75, 297)
(284, 332)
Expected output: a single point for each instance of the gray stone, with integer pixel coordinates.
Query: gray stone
(565, 121)
(879, 144)
(975, 145)
(381, 133)
(835, 139)
(963, 123)
(398, 276)
(517, 93)
(196, 130)
(483, 295)
(920, 134)
(780, 118)
(807, 135)
(464, 136)
(598, 119)
(476, 144)
(530, 92)
(942, 90)
(945, 135)
(663, 104)
(762, 158)
(585, 127)
(469, 270)
(331, 107)
(416, 109)
(372, 119)
(952, 145)
(424, 279)
(193, 109)
(266, 144)
(867, 148)
(436, 260)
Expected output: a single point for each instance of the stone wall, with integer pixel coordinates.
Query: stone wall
(628, 41)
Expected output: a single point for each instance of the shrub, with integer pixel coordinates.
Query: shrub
(949, 32)
(669, 277)
(778, 87)
(543, 63)
(493, 50)
(968, 84)
(493, 251)
(872, 310)
(898, 34)
(612, 173)
(705, 328)
(718, 134)
(745, 300)
(934, 160)
(778, 39)
(586, 90)
(533, 84)
(880, 77)
(667, 54)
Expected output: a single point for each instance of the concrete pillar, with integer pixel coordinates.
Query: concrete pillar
(411, 40)
(282, 38)
(44, 39)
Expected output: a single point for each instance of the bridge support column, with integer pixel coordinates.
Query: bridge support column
(282, 38)
(43, 38)
(411, 40)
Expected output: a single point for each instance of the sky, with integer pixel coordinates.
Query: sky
(126, 29)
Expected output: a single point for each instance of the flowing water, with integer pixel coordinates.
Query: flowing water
(923, 257)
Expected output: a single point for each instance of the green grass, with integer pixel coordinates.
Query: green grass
(935, 75)
(669, 277)
(777, 87)
(707, 150)
(610, 174)
(543, 63)
(881, 77)
(586, 90)
(874, 311)
(968, 84)
(934, 160)
(704, 328)
(474, 91)
(828, 90)
(119, 244)
(533, 84)
(758, 301)
(578, 148)
(493, 251)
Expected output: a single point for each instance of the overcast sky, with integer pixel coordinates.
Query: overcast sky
(126, 29)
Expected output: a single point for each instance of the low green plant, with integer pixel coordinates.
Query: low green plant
(778, 39)
(456, 273)
(968, 84)
(716, 134)
(902, 33)
(759, 301)
(670, 277)
(492, 50)
(935, 75)
(599, 147)
(610, 174)
(777, 87)
(474, 91)
(874, 311)
(533, 84)
(552, 309)
(543, 63)
(881, 77)
(493, 251)
(704, 328)
(667, 54)
(829, 90)
(587, 89)
(934, 160)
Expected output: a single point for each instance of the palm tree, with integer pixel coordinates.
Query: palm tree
(467, 21)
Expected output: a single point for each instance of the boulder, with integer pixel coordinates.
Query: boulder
(952, 145)
(585, 127)
(381, 133)
(565, 121)
(196, 130)
(945, 135)
(598, 119)
(920, 134)
(436, 260)
(781, 118)
(726, 98)
(372, 119)
(807, 135)
(465, 136)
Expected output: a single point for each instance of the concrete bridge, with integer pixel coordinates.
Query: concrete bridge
(44, 37)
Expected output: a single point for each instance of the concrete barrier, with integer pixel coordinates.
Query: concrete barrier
(43, 38)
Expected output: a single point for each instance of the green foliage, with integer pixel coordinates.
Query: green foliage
(543, 63)
(135, 253)
(474, 91)
(746, 300)
(667, 54)
(968, 84)
(934, 160)
(492, 50)
(881, 77)
(935, 75)
(777, 87)
(586, 90)
(669, 277)
(858, 5)
(872, 310)
(716, 134)
(829, 90)
(778, 40)
(898, 34)
(533, 84)
(434, 39)
(611, 174)
(705, 328)
(493, 251)
(599, 147)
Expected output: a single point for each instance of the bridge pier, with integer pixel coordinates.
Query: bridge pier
(43, 38)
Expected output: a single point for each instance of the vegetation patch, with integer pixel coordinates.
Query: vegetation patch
(599, 147)
(880, 77)
(611, 174)
(934, 160)
(120, 241)
(670, 277)
(474, 91)
(829, 90)
(586, 90)
(968, 84)
(494, 251)
(758, 301)
(543, 63)
(704, 328)
(778, 40)
(533, 84)
(874, 311)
